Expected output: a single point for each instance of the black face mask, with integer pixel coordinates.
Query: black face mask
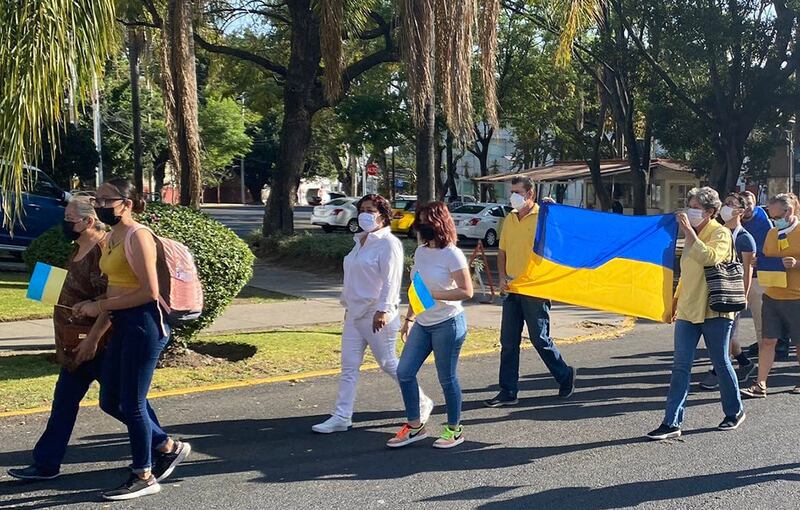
(426, 231)
(106, 215)
(68, 228)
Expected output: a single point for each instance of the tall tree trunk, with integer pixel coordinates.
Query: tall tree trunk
(450, 184)
(134, 49)
(179, 80)
(594, 162)
(483, 140)
(728, 159)
(300, 103)
(426, 160)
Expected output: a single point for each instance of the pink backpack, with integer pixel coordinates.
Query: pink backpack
(180, 290)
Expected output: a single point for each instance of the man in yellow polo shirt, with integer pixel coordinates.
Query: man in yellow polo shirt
(516, 247)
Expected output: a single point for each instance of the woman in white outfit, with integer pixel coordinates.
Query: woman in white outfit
(373, 273)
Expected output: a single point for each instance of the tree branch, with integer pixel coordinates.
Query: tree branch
(260, 12)
(358, 68)
(151, 8)
(136, 23)
(673, 86)
(241, 54)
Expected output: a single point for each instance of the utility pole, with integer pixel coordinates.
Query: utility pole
(394, 178)
(790, 136)
(96, 121)
(241, 164)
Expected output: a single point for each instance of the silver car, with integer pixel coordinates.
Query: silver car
(339, 213)
(480, 221)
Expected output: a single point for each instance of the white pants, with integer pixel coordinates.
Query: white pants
(357, 334)
(754, 300)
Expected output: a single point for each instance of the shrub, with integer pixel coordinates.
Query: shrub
(224, 262)
(317, 251)
(51, 248)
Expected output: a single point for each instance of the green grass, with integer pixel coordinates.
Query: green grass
(254, 295)
(14, 306)
(27, 380)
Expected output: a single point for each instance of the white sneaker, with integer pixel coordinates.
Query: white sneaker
(332, 424)
(425, 410)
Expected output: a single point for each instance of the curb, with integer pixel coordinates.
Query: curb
(625, 327)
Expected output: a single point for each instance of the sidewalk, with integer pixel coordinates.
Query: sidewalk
(320, 305)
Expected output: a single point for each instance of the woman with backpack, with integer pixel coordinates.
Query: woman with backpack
(140, 333)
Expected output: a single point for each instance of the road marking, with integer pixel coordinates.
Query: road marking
(625, 327)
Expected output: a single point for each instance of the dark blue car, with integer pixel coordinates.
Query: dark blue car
(43, 207)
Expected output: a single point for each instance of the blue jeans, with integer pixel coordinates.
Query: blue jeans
(717, 335)
(131, 359)
(445, 340)
(517, 311)
(71, 387)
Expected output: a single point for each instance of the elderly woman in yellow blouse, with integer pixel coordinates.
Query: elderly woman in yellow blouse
(708, 243)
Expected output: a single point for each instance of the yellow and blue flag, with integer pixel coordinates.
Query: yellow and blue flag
(419, 296)
(46, 283)
(610, 262)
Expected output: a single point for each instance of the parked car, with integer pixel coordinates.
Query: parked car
(340, 213)
(43, 207)
(403, 216)
(456, 201)
(480, 221)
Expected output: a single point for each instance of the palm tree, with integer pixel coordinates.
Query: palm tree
(47, 48)
(437, 48)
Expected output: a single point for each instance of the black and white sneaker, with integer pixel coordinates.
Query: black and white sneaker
(732, 422)
(32, 473)
(664, 432)
(165, 463)
(133, 488)
(500, 400)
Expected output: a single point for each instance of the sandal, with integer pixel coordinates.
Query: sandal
(755, 391)
(796, 390)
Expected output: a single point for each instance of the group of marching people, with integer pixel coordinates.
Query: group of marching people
(113, 289)
(714, 233)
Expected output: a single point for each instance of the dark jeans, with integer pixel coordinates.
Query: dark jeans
(71, 387)
(131, 359)
(519, 310)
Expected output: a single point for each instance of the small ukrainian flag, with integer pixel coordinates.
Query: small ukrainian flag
(46, 283)
(419, 296)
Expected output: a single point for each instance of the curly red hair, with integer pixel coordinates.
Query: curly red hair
(438, 216)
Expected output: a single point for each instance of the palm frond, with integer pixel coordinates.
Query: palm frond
(576, 15)
(48, 48)
(487, 41)
(418, 47)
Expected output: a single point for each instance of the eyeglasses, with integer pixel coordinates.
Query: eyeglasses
(102, 202)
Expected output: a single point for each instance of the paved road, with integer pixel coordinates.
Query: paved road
(254, 449)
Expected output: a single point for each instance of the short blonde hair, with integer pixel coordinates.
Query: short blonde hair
(85, 209)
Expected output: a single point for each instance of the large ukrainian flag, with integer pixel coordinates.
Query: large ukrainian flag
(611, 262)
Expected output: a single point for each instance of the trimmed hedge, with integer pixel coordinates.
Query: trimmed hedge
(224, 262)
(317, 251)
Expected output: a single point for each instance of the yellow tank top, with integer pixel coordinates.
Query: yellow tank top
(114, 264)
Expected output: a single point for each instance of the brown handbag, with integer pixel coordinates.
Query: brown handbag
(72, 335)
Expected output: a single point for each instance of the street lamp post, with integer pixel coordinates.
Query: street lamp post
(241, 165)
(790, 136)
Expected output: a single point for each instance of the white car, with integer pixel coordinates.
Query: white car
(339, 213)
(480, 221)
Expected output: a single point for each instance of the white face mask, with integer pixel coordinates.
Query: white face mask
(368, 221)
(727, 213)
(695, 217)
(517, 201)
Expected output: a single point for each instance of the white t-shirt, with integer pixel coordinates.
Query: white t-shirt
(436, 267)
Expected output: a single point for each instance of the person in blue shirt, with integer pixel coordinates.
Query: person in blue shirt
(731, 215)
(756, 221)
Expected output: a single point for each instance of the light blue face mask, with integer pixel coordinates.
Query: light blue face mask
(781, 223)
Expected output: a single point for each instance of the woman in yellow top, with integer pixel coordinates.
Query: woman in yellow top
(708, 243)
(139, 336)
(780, 312)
